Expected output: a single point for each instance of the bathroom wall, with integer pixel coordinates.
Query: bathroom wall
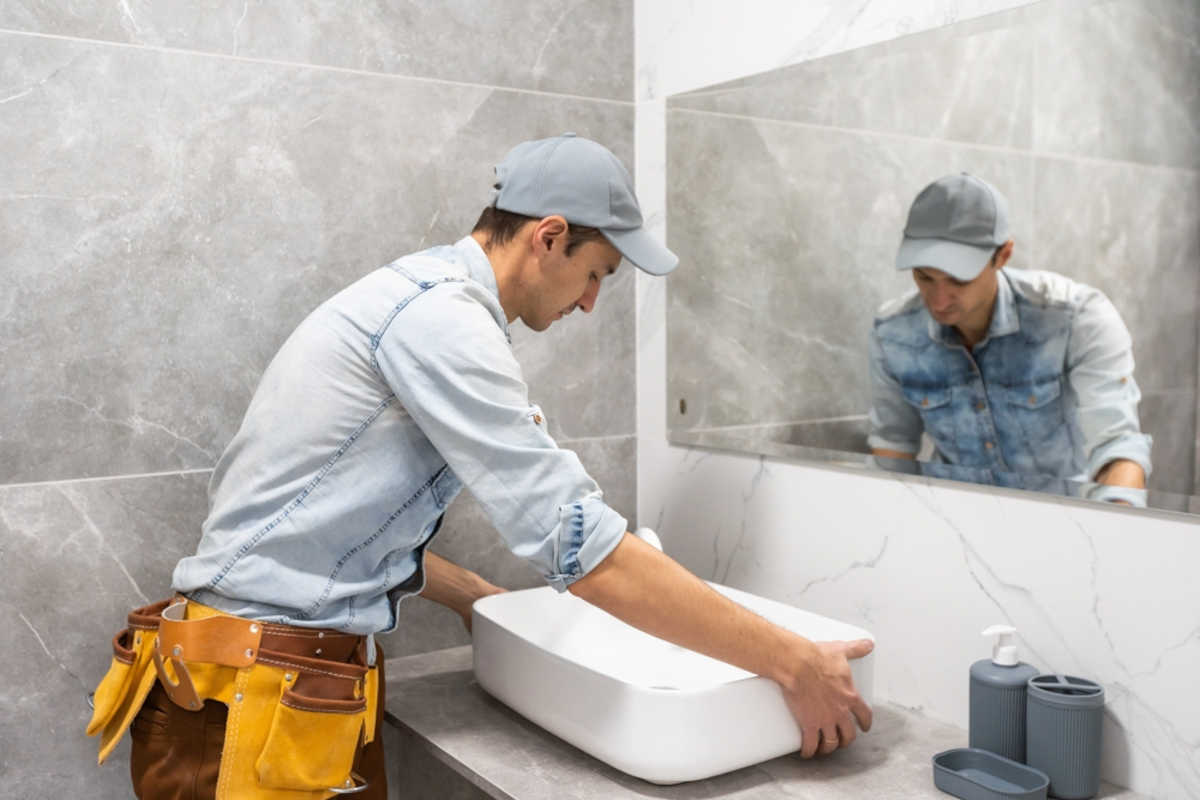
(179, 186)
(1102, 592)
(840, 145)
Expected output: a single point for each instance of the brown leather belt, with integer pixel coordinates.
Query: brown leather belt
(320, 656)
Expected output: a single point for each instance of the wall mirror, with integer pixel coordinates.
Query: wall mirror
(788, 193)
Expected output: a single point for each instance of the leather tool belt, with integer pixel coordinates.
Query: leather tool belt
(301, 700)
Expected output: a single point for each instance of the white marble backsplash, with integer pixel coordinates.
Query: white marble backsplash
(1099, 593)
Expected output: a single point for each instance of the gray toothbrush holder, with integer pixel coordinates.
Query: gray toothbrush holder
(1063, 717)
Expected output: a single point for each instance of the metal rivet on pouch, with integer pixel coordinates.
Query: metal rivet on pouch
(253, 628)
(318, 652)
(194, 704)
(177, 651)
(249, 653)
(238, 697)
(287, 677)
(320, 634)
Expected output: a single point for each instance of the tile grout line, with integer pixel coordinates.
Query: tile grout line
(1048, 154)
(317, 67)
(100, 478)
(134, 476)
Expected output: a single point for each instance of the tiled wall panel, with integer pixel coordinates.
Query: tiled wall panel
(180, 186)
(554, 46)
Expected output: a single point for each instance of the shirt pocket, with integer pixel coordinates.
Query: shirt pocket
(1037, 409)
(937, 416)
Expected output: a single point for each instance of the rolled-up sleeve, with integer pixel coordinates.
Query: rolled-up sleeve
(1100, 371)
(451, 367)
(894, 423)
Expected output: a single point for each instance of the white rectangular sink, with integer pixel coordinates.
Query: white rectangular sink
(647, 707)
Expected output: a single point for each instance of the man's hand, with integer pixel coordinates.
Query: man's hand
(454, 587)
(650, 591)
(824, 701)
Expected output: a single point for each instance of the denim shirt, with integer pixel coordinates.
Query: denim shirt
(378, 408)
(1048, 390)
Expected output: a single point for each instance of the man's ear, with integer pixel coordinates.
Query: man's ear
(549, 233)
(1006, 251)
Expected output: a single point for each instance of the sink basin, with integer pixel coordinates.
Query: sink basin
(647, 707)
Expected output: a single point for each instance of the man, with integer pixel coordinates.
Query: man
(382, 404)
(1006, 370)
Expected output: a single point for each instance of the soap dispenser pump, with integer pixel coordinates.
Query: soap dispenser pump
(997, 708)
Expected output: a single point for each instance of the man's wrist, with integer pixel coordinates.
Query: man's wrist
(796, 662)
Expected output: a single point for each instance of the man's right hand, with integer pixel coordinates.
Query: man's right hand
(823, 698)
(650, 591)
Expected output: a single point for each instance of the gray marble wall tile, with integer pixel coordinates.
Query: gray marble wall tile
(468, 538)
(168, 219)
(554, 46)
(1118, 79)
(77, 557)
(788, 262)
(582, 370)
(970, 82)
(1141, 248)
(1170, 417)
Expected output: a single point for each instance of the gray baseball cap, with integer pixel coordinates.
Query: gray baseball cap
(586, 184)
(954, 225)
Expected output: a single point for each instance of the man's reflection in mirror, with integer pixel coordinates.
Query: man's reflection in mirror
(1006, 370)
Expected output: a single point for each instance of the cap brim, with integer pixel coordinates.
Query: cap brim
(642, 250)
(963, 262)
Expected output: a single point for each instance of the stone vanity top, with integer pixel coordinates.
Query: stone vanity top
(433, 698)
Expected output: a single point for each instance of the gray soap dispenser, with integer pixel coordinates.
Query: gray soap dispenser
(997, 721)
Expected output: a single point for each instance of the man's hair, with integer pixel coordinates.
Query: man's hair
(502, 226)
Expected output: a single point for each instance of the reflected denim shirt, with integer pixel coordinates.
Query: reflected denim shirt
(1048, 390)
(378, 408)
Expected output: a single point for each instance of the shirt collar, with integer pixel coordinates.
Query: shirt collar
(1004, 317)
(479, 269)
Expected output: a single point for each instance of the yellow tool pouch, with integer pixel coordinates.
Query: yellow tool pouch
(121, 692)
(295, 722)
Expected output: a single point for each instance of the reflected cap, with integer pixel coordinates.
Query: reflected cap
(587, 185)
(955, 225)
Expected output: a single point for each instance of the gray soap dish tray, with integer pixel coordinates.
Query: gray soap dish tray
(974, 774)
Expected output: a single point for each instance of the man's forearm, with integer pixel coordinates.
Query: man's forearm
(653, 593)
(880, 452)
(1122, 472)
(455, 587)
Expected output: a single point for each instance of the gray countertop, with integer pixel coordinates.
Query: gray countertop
(434, 698)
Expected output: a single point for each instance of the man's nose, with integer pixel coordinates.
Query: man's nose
(588, 301)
